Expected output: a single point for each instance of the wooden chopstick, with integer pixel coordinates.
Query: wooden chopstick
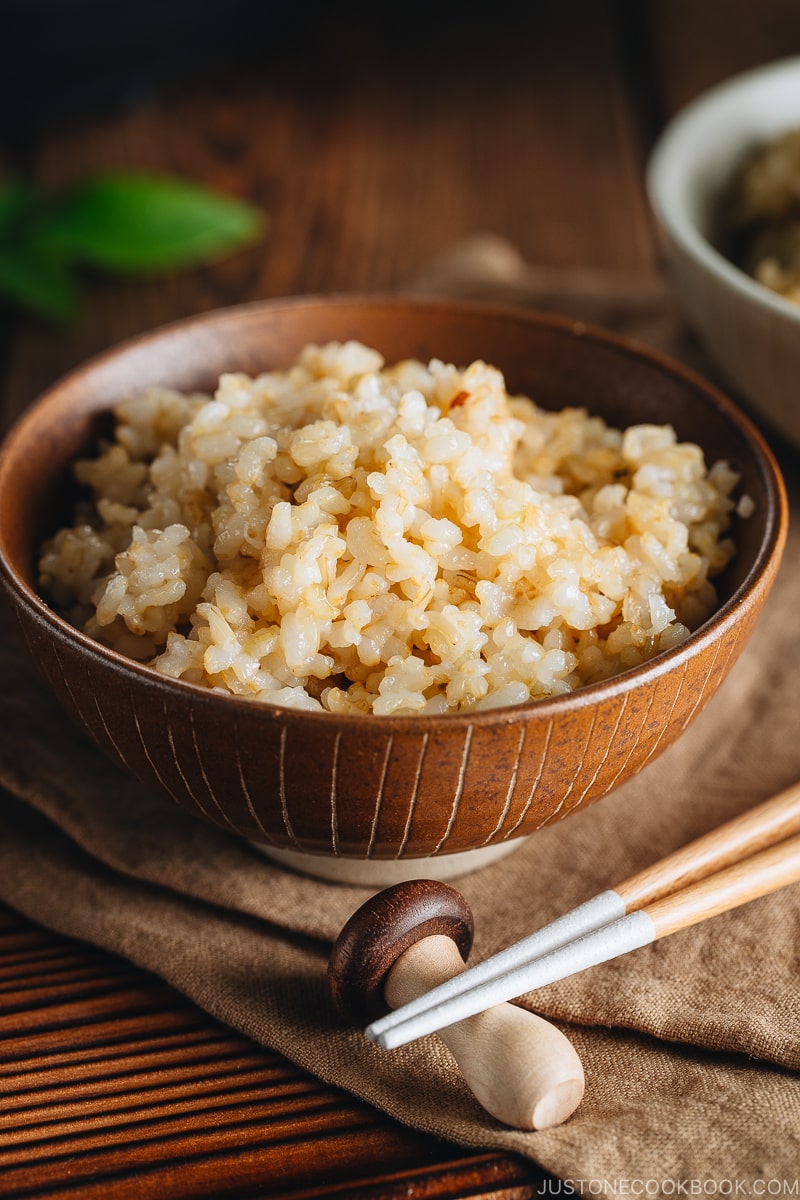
(706, 877)
(738, 838)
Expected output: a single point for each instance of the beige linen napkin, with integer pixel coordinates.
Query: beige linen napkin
(691, 1047)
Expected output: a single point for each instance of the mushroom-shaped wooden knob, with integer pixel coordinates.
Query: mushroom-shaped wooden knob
(412, 937)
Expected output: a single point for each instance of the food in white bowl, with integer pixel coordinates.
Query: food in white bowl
(750, 330)
(761, 219)
(356, 538)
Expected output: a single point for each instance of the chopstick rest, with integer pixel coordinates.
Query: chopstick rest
(757, 829)
(756, 876)
(411, 937)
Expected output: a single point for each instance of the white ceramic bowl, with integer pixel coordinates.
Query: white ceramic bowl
(752, 334)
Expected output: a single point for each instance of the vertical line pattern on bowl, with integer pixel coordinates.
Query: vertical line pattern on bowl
(635, 741)
(412, 802)
(706, 681)
(379, 798)
(672, 709)
(334, 814)
(604, 759)
(282, 787)
(178, 767)
(459, 792)
(512, 784)
(65, 680)
(200, 764)
(147, 755)
(243, 783)
(103, 722)
(535, 783)
(566, 795)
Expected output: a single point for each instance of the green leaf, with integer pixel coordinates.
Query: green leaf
(18, 199)
(139, 224)
(34, 281)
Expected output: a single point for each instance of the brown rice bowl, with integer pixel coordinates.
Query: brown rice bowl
(356, 538)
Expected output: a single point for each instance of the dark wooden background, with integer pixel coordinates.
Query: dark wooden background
(374, 140)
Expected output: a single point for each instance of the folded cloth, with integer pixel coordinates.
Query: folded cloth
(690, 1046)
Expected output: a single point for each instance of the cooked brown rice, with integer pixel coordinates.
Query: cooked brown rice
(408, 539)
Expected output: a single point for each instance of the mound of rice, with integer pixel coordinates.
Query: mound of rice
(408, 539)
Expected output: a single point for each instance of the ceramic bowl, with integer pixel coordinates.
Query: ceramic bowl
(750, 332)
(377, 799)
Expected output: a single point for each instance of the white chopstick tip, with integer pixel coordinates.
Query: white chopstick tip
(382, 1038)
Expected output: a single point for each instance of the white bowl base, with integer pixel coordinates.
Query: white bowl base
(384, 872)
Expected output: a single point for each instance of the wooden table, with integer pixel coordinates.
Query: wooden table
(374, 143)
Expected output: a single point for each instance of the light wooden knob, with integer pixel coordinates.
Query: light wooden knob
(411, 937)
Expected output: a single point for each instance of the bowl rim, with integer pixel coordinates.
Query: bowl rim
(668, 168)
(757, 578)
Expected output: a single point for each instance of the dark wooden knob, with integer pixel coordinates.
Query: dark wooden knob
(381, 930)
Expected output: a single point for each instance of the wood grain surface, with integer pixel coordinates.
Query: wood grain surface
(374, 145)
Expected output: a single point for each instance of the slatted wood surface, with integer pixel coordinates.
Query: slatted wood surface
(112, 1085)
(374, 141)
